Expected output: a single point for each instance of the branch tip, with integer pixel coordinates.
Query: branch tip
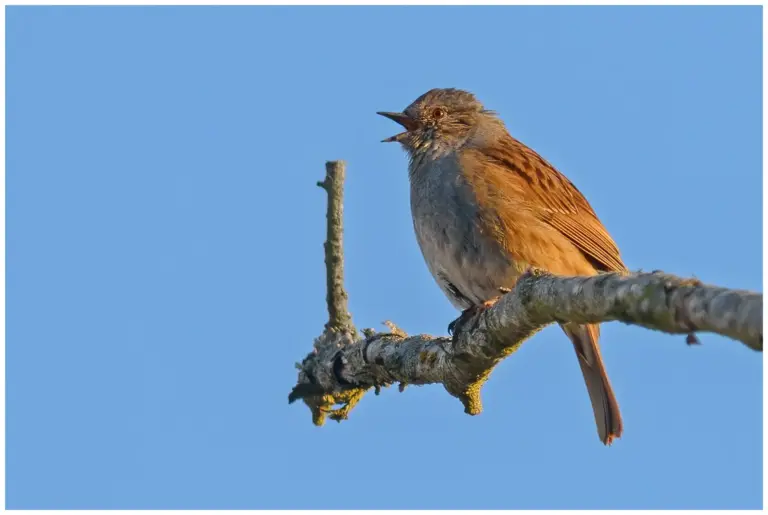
(395, 330)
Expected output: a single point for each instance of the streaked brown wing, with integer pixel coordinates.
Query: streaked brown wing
(556, 201)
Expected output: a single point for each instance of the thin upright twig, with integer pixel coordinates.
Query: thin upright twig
(339, 318)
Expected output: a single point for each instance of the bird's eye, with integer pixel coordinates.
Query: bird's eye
(438, 113)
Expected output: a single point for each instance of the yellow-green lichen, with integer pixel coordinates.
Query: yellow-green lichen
(427, 357)
(349, 398)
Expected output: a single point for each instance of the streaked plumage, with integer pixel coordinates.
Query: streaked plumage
(486, 207)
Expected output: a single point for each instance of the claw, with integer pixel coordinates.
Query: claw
(452, 326)
(456, 326)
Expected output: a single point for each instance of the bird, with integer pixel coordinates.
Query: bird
(486, 208)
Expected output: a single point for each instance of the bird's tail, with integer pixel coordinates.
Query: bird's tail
(607, 416)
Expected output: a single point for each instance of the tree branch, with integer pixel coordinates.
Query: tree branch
(343, 367)
(339, 318)
(339, 330)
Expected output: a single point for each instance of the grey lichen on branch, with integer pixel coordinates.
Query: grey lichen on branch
(344, 366)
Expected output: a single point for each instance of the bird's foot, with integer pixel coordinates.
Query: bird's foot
(456, 326)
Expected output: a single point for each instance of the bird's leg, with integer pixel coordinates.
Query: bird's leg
(454, 326)
(457, 325)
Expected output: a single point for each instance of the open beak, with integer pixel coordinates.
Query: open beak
(404, 120)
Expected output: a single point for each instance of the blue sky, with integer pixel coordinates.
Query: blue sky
(165, 266)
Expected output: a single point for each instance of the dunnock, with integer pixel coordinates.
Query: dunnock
(486, 208)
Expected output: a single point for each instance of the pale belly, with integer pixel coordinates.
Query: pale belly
(468, 266)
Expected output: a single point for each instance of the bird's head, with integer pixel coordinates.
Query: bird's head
(439, 121)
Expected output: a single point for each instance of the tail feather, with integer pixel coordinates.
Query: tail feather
(606, 409)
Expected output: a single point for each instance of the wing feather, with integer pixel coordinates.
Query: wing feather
(552, 198)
